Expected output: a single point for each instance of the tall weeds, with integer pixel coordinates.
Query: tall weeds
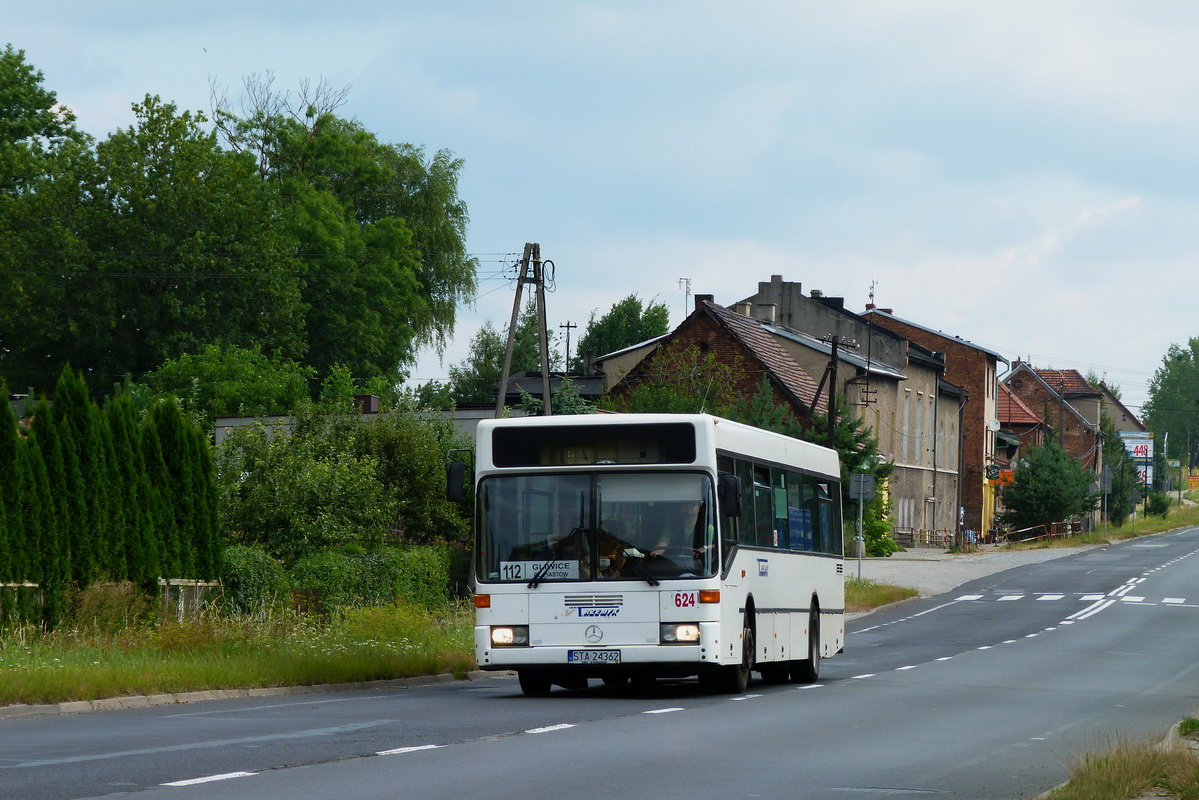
(94, 657)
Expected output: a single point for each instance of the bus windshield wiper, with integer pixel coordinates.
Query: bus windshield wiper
(549, 564)
(637, 558)
(541, 573)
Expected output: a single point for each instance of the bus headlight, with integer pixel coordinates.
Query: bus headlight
(680, 633)
(510, 635)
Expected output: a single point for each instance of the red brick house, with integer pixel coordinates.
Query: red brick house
(976, 370)
(1019, 429)
(898, 391)
(1069, 405)
(735, 338)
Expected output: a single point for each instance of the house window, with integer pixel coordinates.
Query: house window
(907, 432)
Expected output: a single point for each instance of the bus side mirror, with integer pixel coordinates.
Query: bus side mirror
(455, 481)
(728, 491)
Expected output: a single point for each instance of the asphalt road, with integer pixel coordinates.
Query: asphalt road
(981, 692)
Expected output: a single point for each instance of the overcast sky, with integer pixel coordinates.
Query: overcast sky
(1020, 174)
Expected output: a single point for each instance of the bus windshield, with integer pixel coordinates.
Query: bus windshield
(596, 526)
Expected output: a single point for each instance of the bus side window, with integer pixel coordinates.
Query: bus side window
(811, 506)
(781, 516)
(823, 517)
(798, 517)
(745, 526)
(830, 512)
(767, 535)
(729, 498)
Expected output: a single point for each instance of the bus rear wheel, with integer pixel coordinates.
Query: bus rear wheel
(777, 672)
(808, 670)
(533, 683)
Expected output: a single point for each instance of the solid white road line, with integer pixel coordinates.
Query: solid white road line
(210, 779)
(401, 750)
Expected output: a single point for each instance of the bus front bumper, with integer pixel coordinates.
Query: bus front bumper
(600, 657)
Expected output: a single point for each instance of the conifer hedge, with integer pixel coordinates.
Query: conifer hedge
(93, 493)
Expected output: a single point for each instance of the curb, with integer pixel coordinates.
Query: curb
(181, 698)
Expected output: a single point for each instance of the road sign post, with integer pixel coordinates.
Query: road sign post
(861, 488)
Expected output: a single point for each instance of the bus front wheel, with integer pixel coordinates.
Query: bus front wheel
(533, 683)
(735, 679)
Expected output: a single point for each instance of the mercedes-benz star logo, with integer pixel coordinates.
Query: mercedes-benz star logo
(593, 633)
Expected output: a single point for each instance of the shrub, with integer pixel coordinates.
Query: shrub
(330, 573)
(876, 527)
(108, 607)
(423, 575)
(415, 575)
(250, 579)
(1157, 505)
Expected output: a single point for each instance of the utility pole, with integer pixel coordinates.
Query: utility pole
(1061, 396)
(685, 285)
(569, 326)
(829, 377)
(832, 394)
(532, 272)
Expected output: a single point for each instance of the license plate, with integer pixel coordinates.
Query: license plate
(593, 656)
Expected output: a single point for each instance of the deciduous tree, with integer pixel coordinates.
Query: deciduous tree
(679, 380)
(232, 380)
(379, 228)
(1173, 404)
(628, 322)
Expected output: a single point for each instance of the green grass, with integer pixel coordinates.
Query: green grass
(1122, 768)
(1178, 517)
(223, 653)
(864, 595)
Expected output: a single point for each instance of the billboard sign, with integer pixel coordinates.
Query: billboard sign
(1139, 445)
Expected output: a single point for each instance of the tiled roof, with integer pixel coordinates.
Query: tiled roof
(1066, 381)
(880, 317)
(789, 374)
(1013, 411)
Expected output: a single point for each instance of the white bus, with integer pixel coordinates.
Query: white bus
(638, 546)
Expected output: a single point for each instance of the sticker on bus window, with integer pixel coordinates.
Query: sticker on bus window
(527, 570)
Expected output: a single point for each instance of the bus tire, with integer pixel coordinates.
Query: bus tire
(574, 683)
(777, 672)
(808, 670)
(734, 679)
(534, 683)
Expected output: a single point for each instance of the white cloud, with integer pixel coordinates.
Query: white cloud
(1018, 173)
